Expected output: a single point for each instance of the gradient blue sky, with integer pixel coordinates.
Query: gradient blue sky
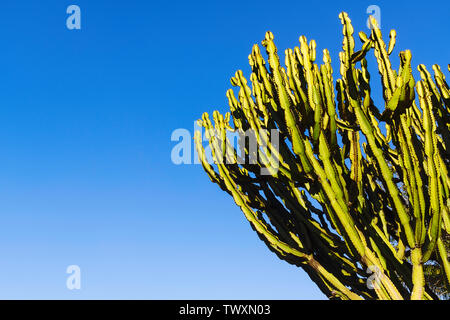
(85, 123)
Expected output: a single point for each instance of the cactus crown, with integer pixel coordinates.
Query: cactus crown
(340, 196)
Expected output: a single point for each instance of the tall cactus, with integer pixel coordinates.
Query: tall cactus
(342, 197)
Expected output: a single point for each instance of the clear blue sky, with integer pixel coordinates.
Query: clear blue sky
(85, 122)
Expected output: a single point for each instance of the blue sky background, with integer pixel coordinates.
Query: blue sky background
(86, 118)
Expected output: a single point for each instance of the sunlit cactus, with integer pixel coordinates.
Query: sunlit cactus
(355, 194)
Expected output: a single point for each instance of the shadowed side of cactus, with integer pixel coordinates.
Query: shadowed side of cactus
(349, 191)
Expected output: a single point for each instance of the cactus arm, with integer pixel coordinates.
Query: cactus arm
(443, 254)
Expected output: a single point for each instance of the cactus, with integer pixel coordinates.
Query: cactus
(343, 197)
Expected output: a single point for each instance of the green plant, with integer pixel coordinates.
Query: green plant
(343, 194)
